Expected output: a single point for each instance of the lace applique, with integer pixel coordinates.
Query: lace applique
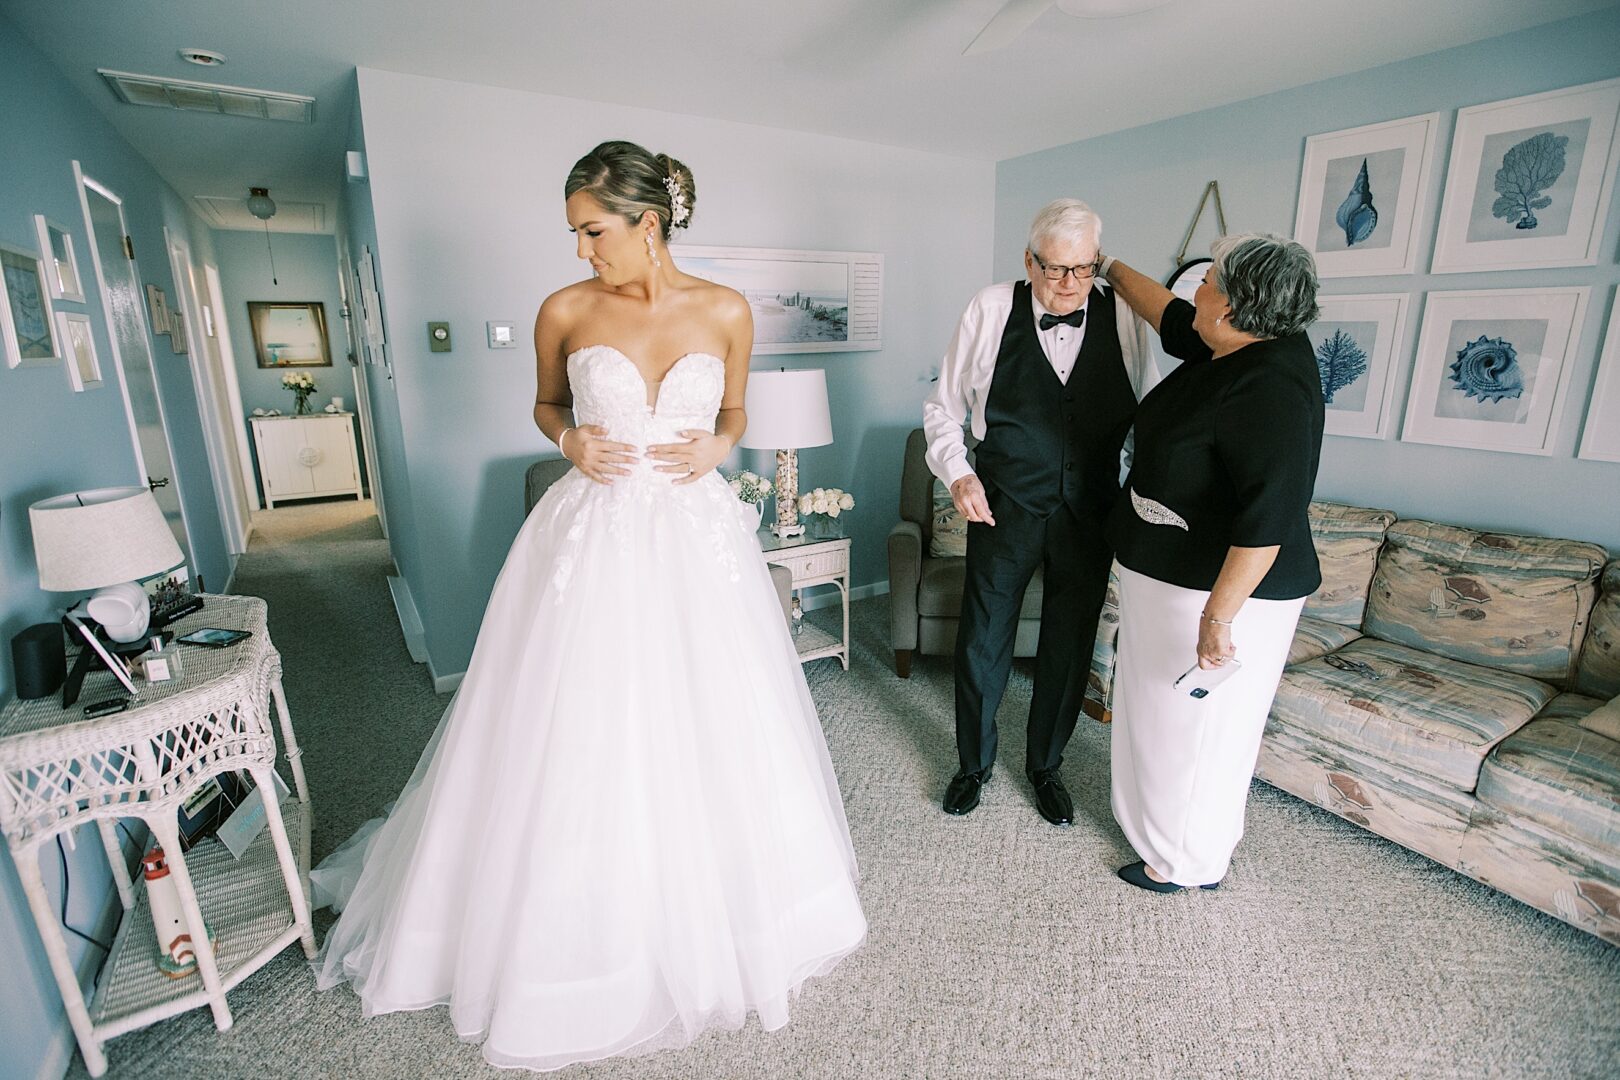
(1156, 513)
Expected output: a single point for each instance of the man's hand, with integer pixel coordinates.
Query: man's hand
(971, 501)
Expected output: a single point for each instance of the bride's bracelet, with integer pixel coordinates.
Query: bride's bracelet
(561, 435)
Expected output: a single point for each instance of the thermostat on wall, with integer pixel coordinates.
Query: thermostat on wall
(500, 335)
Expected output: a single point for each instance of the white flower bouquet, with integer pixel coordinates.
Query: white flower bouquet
(302, 386)
(750, 487)
(823, 506)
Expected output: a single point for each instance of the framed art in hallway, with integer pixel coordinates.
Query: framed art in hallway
(61, 263)
(79, 345)
(289, 334)
(1360, 195)
(1600, 439)
(157, 306)
(1356, 340)
(27, 329)
(1529, 181)
(802, 301)
(1493, 368)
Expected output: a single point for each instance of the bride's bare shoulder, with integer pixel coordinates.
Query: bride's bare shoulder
(565, 307)
(719, 301)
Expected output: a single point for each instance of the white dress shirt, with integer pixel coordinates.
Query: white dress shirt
(963, 387)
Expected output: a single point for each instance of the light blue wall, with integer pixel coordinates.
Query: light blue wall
(54, 440)
(1145, 182)
(467, 183)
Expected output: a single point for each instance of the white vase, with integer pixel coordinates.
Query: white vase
(759, 509)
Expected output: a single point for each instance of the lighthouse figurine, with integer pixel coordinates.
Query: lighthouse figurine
(176, 958)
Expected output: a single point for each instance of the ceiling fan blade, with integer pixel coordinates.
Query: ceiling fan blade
(1009, 23)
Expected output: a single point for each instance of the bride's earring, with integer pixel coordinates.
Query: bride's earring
(652, 252)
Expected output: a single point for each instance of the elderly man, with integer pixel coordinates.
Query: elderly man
(1048, 371)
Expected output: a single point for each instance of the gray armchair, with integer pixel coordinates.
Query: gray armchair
(925, 593)
(547, 471)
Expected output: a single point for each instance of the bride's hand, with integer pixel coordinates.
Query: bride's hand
(701, 453)
(592, 454)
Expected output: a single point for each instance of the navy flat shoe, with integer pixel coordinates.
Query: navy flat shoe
(1136, 874)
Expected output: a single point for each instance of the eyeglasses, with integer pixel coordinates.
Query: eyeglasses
(1053, 272)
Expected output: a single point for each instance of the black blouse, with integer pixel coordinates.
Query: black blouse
(1228, 451)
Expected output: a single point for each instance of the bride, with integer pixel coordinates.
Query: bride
(626, 828)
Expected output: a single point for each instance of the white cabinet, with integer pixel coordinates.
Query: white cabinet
(306, 457)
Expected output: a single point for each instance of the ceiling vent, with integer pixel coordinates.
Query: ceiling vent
(209, 97)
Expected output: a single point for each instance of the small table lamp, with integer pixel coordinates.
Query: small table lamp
(787, 411)
(104, 540)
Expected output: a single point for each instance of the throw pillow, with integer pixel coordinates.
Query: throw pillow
(950, 527)
(1605, 720)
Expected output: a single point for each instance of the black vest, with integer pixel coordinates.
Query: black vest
(1047, 443)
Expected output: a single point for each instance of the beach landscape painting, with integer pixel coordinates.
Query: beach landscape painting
(802, 301)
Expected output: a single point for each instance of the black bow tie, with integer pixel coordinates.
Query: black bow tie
(1073, 318)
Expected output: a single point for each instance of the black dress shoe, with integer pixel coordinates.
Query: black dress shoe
(963, 794)
(1137, 875)
(1052, 798)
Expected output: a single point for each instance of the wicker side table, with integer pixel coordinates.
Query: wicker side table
(59, 770)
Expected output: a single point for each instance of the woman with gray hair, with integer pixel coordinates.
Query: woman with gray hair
(1215, 551)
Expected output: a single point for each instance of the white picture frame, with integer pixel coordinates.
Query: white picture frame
(1600, 438)
(113, 662)
(371, 299)
(27, 321)
(178, 338)
(1493, 368)
(157, 306)
(1361, 196)
(61, 260)
(1365, 332)
(802, 301)
(1514, 199)
(79, 350)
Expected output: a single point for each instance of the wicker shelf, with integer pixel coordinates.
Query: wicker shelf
(813, 643)
(245, 905)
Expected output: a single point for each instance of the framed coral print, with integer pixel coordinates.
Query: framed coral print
(79, 344)
(1361, 193)
(61, 264)
(1600, 440)
(1356, 340)
(1529, 181)
(27, 330)
(1492, 368)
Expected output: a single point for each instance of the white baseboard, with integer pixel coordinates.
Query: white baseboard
(230, 579)
(410, 623)
(447, 684)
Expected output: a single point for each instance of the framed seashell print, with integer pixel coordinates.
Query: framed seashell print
(1493, 367)
(1356, 340)
(1529, 181)
(1600, 439)
(1361, 193)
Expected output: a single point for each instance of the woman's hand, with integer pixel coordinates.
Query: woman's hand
(592, 454)
(702, 453)
(1214, 644)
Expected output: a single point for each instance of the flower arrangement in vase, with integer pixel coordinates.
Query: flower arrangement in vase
(822, 507)
(302, 387)
(753, 489)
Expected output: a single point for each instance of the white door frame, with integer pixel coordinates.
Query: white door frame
(233, 388)
(82, 183)
(232, 499)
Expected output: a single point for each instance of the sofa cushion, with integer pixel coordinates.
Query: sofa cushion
(1516, 603)
(1599, 671)
(1420, 712)
(1558, 774)
(1317, 637)
(939, 592)
(949, 538)
(1347, 541)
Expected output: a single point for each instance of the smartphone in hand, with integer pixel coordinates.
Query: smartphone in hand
(1197, 682)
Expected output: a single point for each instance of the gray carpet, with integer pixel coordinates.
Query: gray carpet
(1000, 946)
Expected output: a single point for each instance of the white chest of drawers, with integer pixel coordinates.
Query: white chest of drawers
(306, 457)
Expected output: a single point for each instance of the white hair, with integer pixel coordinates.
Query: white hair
(1065, 220)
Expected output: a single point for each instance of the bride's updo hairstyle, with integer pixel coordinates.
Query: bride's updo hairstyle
(628, 180)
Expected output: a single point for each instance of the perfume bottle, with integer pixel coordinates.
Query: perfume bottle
(797, 617)
(162, 662)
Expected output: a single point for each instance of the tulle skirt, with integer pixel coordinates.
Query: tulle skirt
(626, 828)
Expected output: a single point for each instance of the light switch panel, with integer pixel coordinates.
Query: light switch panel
(438, 337)
(501, 335)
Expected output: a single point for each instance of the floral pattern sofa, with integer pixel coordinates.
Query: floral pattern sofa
(1456, 691)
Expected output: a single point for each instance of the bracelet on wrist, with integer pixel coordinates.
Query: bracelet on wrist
(1207, 617)
(1107, 265)
(561, 435)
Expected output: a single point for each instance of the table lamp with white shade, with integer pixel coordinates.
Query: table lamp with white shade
(787, 412)
(106, 540)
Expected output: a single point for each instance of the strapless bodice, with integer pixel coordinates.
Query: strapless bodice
(609, 390)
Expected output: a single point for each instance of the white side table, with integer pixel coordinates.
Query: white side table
(59, 770)
(814, 562)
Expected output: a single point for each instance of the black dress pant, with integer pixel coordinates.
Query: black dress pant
(1001, 559)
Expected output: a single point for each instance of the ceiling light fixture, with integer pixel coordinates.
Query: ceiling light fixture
(202, 57)
(263, 207)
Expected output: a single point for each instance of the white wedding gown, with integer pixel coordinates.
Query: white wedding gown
(626, 828)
